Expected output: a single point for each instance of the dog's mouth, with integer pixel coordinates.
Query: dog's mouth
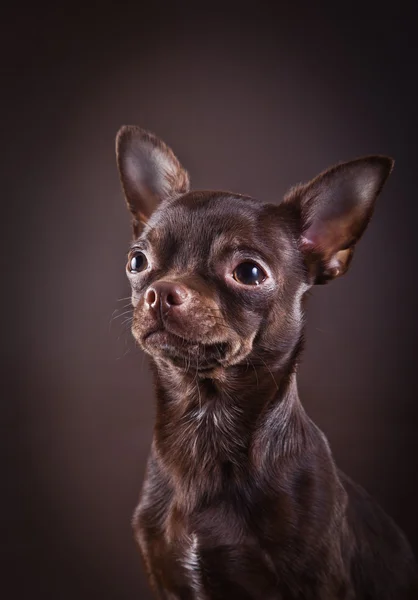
(185, 353)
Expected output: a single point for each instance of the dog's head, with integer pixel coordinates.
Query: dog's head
(218, 279)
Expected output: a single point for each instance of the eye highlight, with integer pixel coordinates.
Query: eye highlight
(138, 262)
(249, 273)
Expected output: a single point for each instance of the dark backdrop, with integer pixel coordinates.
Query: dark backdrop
(252, 100)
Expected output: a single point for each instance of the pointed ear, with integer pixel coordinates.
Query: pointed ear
(149, 172)
(333, 211)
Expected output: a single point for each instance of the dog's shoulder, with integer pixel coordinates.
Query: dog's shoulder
(382, 562)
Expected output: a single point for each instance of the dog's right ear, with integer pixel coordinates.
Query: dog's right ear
(149, 172)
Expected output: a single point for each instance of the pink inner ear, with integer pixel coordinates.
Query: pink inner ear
(307, 243)
(327, 236)
(316, 236)
(335, 261)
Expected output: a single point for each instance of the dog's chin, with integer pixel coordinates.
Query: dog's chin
(188, 355)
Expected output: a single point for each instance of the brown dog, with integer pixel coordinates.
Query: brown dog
(242, 499)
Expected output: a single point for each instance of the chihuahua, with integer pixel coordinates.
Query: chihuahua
(242, 498)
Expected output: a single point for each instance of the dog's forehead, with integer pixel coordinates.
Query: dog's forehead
(208, 219)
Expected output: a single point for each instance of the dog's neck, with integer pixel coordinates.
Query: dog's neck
(211, 434)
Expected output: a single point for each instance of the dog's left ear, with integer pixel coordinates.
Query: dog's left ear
(333, 211)
(149, 172)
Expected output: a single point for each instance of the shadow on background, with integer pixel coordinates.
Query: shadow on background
(252, 101)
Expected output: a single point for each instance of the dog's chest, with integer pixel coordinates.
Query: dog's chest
(244, 544)
(208, 554)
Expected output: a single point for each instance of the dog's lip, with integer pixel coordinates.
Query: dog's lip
(162, 336)
(207, 355)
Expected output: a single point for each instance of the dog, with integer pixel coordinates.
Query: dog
(242, 498)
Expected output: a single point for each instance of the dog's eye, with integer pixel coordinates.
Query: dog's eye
(138, 262)
(249, 273)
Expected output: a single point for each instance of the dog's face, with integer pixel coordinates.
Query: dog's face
(215, 279)
(218, 279)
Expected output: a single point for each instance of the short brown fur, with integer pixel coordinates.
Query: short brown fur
(242, 498)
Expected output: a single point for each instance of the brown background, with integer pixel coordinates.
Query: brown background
(252, 100)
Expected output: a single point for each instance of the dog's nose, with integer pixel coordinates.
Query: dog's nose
(166, 294)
